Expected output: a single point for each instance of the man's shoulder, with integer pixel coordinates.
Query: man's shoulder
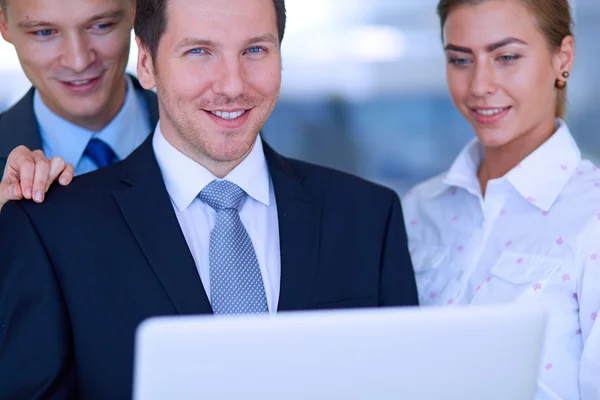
(339, 183)
(18, 126)
(88, 191)
(23, 106)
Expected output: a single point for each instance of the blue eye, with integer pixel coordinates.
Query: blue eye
(458, 61)
(44, 32)
(197, 51)
(507, 58)
(103, 26)
(255, 49)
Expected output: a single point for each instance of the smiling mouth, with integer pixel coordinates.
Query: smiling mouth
(489, 112)
(82, 86)
(80, 83)
(228, 115)
(232, 118)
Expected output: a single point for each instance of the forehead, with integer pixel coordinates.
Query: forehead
(220, 20)
(489, 22)
(65, 12)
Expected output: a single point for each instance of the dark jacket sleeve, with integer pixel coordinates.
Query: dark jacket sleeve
(2, 166)
(397, 286)
(36, 360)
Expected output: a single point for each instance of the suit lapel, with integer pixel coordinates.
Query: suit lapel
(299, 215)
(18, 126)
(147, 208)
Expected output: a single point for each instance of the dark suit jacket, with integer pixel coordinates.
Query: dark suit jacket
(19, 126)
(79, 272)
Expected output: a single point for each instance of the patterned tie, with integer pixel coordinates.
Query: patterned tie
(100, 153)
(236, 285)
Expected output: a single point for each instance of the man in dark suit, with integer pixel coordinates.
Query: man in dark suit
(83, 112)
(203, 218)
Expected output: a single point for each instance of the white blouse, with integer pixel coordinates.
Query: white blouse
(533, 238)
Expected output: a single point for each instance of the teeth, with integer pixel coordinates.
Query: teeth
(79, 83)
(228, 115)
(490, 112)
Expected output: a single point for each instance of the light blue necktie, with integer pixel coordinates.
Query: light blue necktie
(100, 153)
(236, 285)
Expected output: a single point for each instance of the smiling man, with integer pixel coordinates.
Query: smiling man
(82, 108)
(203, 218)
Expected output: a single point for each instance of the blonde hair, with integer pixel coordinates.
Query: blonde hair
(554, 19)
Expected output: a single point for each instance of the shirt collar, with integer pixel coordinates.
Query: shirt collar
(539, 178)
(69, 141)
(462, 173)
(542, 176)
(185, 178)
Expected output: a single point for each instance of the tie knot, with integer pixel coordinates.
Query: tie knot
(222, 195)
(100, 153)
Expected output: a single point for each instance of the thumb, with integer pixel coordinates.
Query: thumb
(9, 191)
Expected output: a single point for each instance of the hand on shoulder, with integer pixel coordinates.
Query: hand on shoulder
(29, 175)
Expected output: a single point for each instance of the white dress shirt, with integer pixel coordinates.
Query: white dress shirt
(533, 238)
(184, 179)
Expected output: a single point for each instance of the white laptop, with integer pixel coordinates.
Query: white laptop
(432, 353)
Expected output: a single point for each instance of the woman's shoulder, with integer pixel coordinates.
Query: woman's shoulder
(425, 192)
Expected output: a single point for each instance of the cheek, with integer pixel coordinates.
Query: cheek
(266, 81)
(518, 80)
(113, 49)
(186, 82)
(38, 62)
(458, 85)
(35, 55)
(527, 85)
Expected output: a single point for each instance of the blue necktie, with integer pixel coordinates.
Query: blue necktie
(100, 153)
(236, 285)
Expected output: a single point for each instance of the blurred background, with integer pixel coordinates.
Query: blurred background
(364, 88)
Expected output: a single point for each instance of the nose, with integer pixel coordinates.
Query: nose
(229, 80)
(483, 80)
(77, 54)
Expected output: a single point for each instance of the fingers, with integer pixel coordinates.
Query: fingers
(67, 175)
(15, 159)
(57, 165)
(23, 167)
(41, 176)
(33, 174)
(8, 192)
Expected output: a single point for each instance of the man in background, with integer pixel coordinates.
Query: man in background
(83, 112)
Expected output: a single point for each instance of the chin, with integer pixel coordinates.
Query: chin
(231, 150)
(491, 140)
(86, 113)
(84, 106)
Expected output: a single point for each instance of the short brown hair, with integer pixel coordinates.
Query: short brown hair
(151, 21)
(3, 4)
(554, 19)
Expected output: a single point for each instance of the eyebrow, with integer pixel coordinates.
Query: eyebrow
(262, 38)
(192, 41)
(105, 15)
(489, 48)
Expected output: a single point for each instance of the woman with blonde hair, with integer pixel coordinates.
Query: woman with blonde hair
(517, 216)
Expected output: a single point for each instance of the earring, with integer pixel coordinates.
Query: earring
(562, 84)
